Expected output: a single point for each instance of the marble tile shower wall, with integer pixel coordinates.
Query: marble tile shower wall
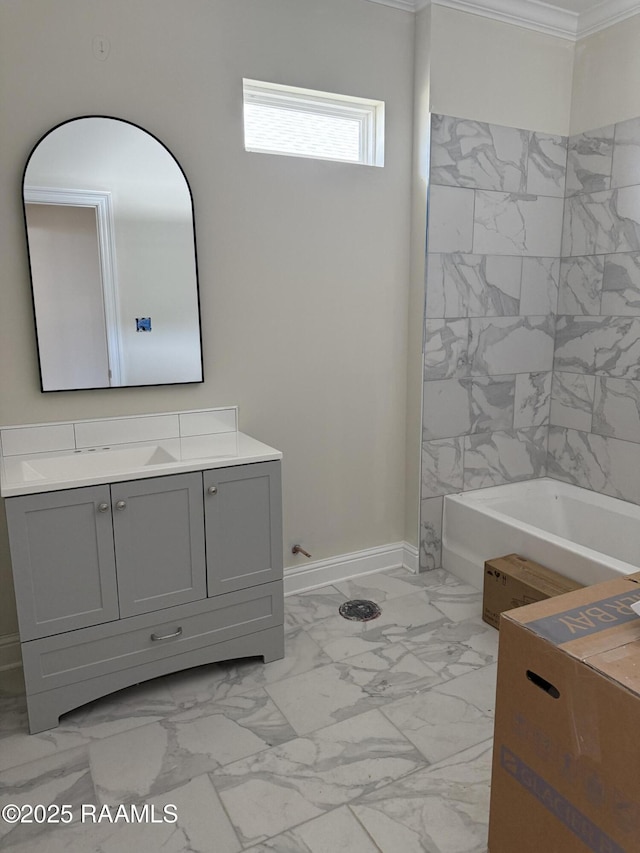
(492, 279)
(594, 438)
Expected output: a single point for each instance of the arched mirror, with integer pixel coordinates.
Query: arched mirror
(111, 242)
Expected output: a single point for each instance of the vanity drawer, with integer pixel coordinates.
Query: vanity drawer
(91, 652)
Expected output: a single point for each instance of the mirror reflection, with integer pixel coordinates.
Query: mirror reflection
(111, 244)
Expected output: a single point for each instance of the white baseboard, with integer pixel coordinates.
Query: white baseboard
(296, 579)
(10, 657)
(345, 566)
(411, 558)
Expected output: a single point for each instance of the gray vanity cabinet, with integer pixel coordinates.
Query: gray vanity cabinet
(158, 529)
(243, 518)
(116, 584)
(86, 556)
(63, 560)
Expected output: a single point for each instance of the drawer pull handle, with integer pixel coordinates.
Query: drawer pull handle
(212, 490)
(156, 637)
(121, 504)
(103, 507)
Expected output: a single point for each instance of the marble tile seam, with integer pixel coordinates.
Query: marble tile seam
(409, 650)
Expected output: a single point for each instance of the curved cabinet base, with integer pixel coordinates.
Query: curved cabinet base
(45, 708)
(67, 670)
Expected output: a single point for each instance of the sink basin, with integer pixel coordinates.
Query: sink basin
(92, 463)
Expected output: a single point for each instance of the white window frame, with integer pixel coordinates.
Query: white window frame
(368, 113)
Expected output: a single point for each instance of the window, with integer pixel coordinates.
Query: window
(305, 123)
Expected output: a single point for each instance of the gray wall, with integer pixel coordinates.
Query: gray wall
(304, 264)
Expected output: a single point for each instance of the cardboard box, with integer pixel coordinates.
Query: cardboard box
(514, 581)
(566, 761)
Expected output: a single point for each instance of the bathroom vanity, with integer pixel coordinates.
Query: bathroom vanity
(134, 559)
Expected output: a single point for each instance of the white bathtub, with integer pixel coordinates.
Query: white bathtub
(587, 536)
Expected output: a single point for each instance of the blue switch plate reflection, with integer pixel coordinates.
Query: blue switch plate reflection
(143, 324)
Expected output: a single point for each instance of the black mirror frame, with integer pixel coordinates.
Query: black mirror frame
(195, 258)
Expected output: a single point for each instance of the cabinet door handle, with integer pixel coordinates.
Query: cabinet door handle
(121, 504)
(103, 507)
(212, 490)
(156, 637)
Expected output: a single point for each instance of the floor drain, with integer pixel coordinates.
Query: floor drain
(359, 610)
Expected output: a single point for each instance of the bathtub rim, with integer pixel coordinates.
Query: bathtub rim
(480, 501)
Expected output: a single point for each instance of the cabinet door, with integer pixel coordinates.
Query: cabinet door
(243, 513)
(158, 527)
(63, 561)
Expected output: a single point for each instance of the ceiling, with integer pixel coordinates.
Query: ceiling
(570, 19)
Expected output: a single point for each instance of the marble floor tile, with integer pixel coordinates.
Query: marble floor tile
(402, 617)
(119, 712)
(59, 778)
(73, 838)
(439, 725)
(341, 638)
(359, 740)
(253, 711)
(336, 692)
(478, 688)
(290, 784)
(443, 809)
(305, 608)
(378, 587)
(23, 748)
(204, 686)
(335, 832)
(456, 648)
(202, 826)
(150, 760)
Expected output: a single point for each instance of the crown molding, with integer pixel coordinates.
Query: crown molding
(605, 14)
(535, 14)
(530, 14)
(405, 5)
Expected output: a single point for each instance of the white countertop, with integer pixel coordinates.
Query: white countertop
(70, 469)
